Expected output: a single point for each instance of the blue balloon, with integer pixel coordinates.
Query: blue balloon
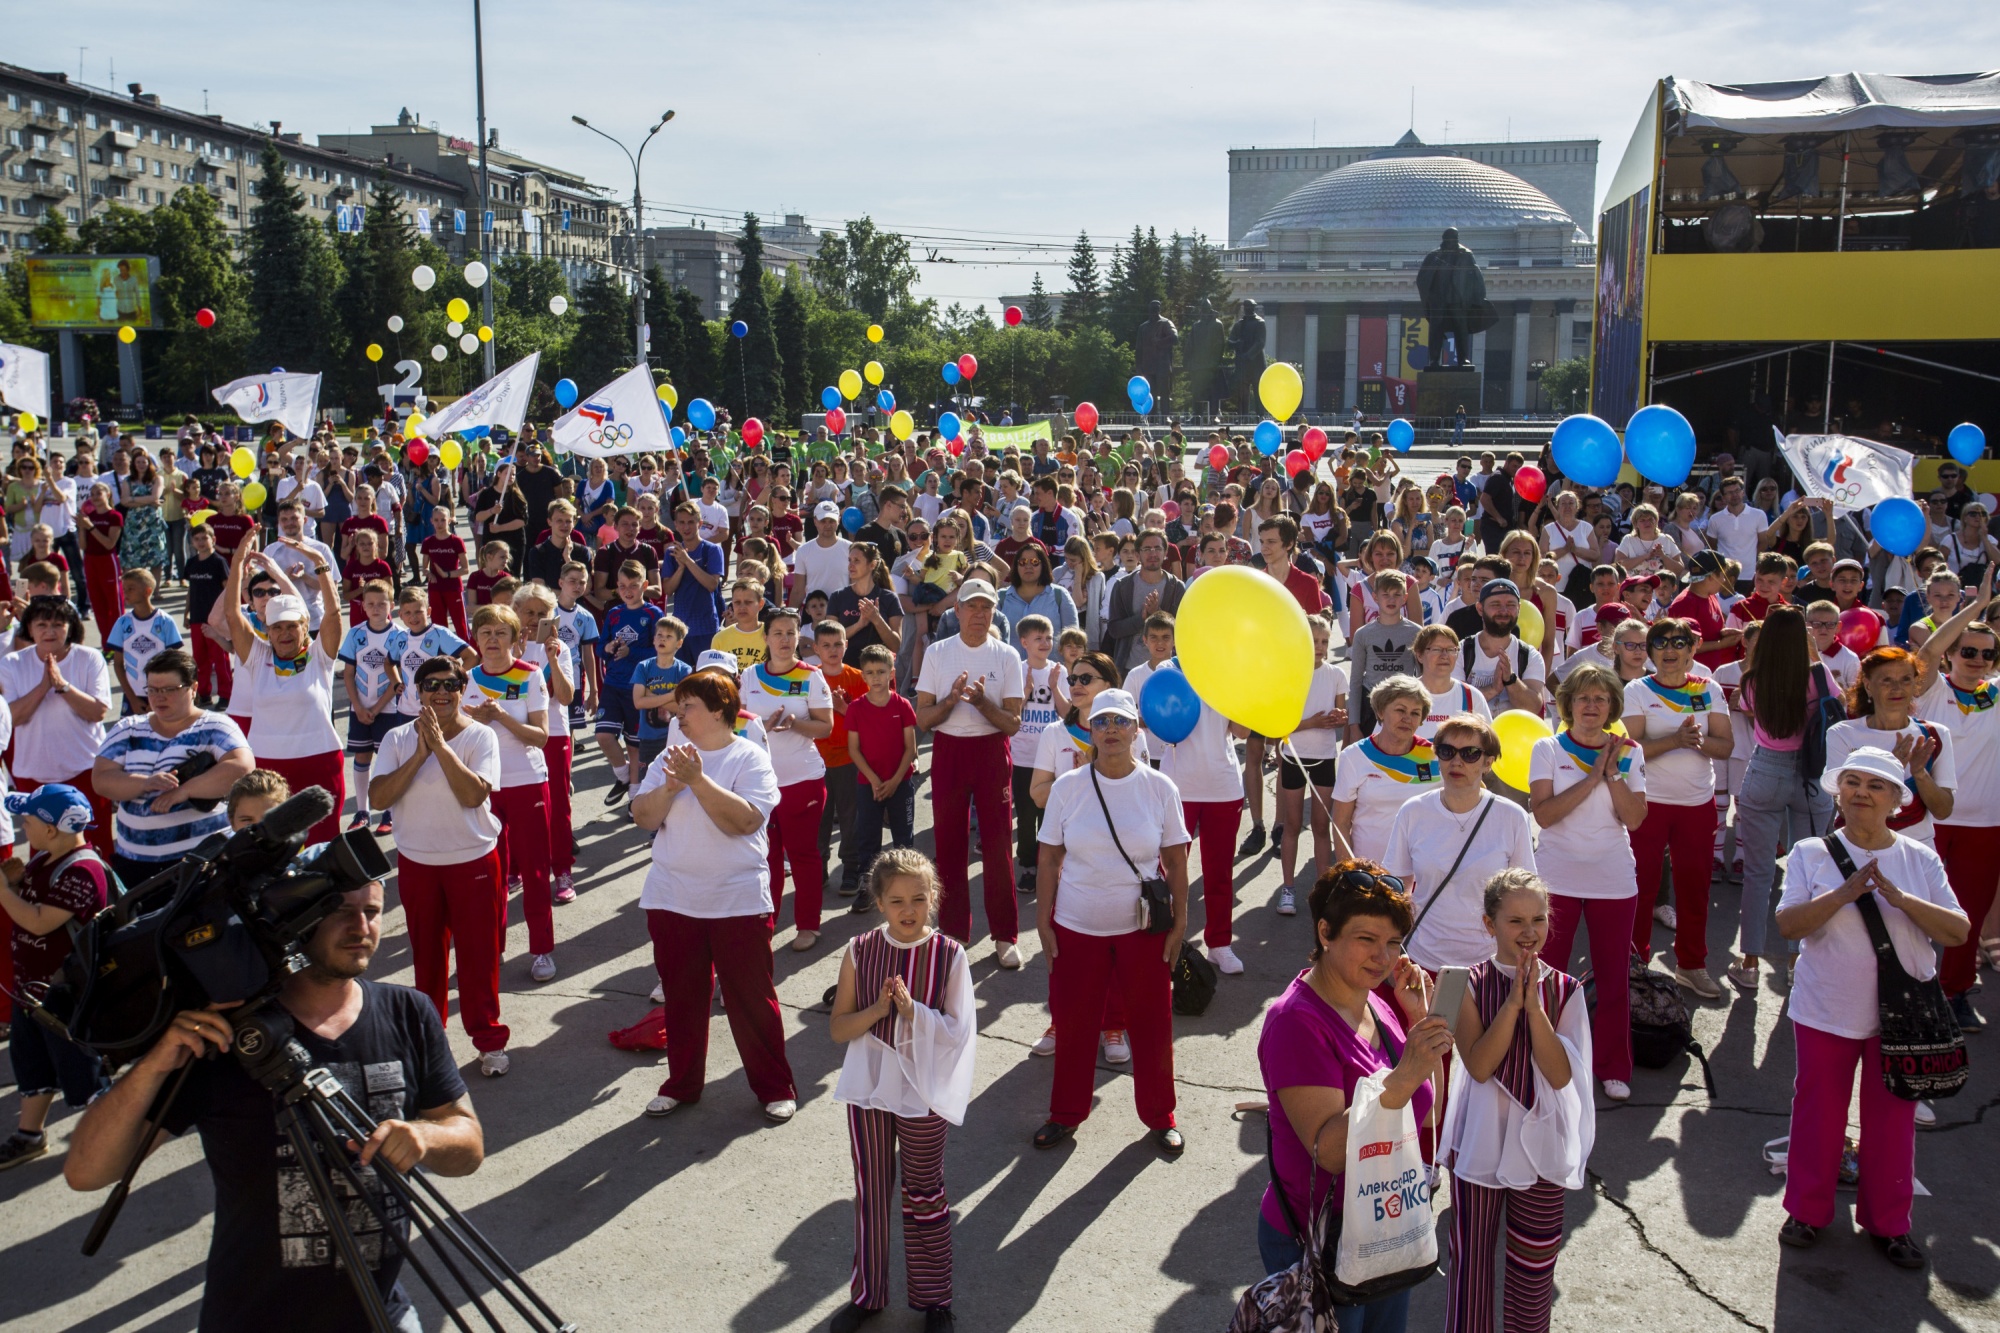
(829, 398)
(950, 372)
(277, 370)
(1660, 443)
(851, 519)
(885, 400)
(1138, 390)
(680, 438)
(949, 425)
(1402, 435)
(738, 329)
(1967, 443)
(566, 393)
(1143, 404)
(1170, 705)
(701, 414)
(1269, 437)
(1899, 525)
(1587, 450)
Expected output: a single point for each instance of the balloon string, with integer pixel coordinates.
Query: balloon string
(1340, 842)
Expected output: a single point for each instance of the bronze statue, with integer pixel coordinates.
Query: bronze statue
(1246, 340)
(1153, 353)
(1454, 297)
(1201, 355)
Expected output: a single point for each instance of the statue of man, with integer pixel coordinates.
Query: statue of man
(1201, 355)
(1454, 296)
(1153, 353)
(1246, 340)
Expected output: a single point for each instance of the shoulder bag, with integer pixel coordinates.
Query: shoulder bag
(1154, 894)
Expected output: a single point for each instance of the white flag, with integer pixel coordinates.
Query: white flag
(290, 399)
(24, 380)
(623, 417)
(1851, 472)
(501, 401)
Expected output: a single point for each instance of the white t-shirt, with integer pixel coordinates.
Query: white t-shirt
(747, 727)
(1098, 894)
(1584, 630)
(1204, 765)
(60, 518)
(1975, 738)
(298, 565)
(1640, 556)
(1424, 841)
(993, 662)
(698, 870)
(1458, 697)
(55, 744)
(537, 654)
(1679, 777)
(1587, 853)
(519, 691)
(794, 694)
(1729, 679)
(141, 641)
(1379, 785)
(310, 495)
(1833, 988)
(1329, 684)
(1057, 751)
(1735, 535)
(1038, 710)
(432, 827)
(1579, 532)
(291, 711)
(819, 568)
(1843, 665)
(714, 522)
(1844, 738)
(1485, 668)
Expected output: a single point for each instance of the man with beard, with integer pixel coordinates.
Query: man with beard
(1496, 663)
(299, 556)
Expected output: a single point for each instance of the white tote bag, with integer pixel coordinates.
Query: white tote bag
(1388, 1224)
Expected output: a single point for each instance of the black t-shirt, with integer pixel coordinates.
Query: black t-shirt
(611, 555)
(270, 1249)
(1465, 622)
(205, 578)
(540, 489)
(545, 561)
(210, 480)
(844, 605)
(1500, 489)
(891, 544)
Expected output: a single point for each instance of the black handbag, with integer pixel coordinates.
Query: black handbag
(1153, 891)
(1923, 1051)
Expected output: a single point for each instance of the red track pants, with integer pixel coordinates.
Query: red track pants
(460, 907)
(1087, 968)
(562, 822)
(794, 830)
(687, 952)
(969, 771)
(1213, 824)
(1687, 834)
(314, 770)
(1972, 865)
(523, 813)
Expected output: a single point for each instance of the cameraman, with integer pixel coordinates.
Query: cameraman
(271, 1250)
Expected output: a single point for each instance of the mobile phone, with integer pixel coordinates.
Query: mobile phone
(1449, 993)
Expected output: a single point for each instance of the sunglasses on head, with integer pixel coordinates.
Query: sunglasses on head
(1470, 754)
(1369, 880)
(1971, 654)
(440, 685)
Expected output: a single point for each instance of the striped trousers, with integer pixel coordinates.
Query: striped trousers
(1534, 1235)
(876, 1136)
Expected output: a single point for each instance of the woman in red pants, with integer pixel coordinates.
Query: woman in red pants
(796, 707)
(541, 647)
(509, 695)
(436, 774)
(102, 576)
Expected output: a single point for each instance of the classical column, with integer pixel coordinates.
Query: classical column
(1350, 384)
(1272, 314)
(1565, 330)
(1517, 365)
(1392, 361)
(1312, 359)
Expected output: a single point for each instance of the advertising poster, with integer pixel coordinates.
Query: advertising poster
(1619, 347)
(94, 292)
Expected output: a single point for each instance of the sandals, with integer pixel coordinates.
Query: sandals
(1169, 1141)
(1799, 1235)
(1901, 1250)
(1054, 1132)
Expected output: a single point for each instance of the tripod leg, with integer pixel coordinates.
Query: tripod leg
(349, 1248)
(108, 1214)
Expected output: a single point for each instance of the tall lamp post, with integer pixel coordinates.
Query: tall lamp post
(638, 232)
(485, 189)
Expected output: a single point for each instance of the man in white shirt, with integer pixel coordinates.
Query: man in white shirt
(714, 518)
(1508, 672)
(820, 564)
(298, 482)
(969, 696)
(1734, 529)
(301, 557)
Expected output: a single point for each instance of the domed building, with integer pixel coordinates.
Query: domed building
(1327, 241)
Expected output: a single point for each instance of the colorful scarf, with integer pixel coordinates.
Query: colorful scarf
(1418, 766)
(291, 666)
(1586, 757)
(784, 684)
(509, 685)
(1978, 699)
(1690, 698)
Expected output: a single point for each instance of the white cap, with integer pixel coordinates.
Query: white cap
(977, 590)
(717, 658)
(285, 607)
(1114, 703)
(1870, 759)
(825, 509)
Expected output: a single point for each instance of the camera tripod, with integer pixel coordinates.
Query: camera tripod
(319, 1117)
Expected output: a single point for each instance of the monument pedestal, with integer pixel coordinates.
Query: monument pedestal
(1440, 393)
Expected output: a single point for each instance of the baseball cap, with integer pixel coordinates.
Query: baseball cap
(825, 509)
(1849, 563)
(1493, 587)
(1704, 565)
(1112, 703)
(716, 658)
(285, 607)
(57, 804)
(975, 590)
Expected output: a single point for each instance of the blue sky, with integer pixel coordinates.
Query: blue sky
(1011, 124)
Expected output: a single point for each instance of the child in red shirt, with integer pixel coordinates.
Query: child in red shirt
(492, 568)
(444, 567)
(365, 566)
(882, 742)
(845, 684)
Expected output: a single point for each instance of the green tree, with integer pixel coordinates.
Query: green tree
(700, 373)
(1037, 313)
(1200, 277)
(753, 377)
(1138, 278)
(375, 284)
(198, 270)
(1081, 302)
(788, 315)
(864, 268)
(602, 343)
(666, 346)
(293, 277)
(522, 320)
(1567, 383)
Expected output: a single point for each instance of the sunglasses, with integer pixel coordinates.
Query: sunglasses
(1971, 654)
(1114, 720)
(1369, 880)
(440, 685)
(1673, 641)
(1470, 754)
(1080, 680)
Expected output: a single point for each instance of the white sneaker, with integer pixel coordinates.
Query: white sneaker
(493, 1064)
(1617, 1089)
(660, 1106)
(659, 995)
(781, 1111)
(1226, 961)
(1117, 1046)
(1743, 976)
(1926, 1117)
(1699, 981)
(1664, 914)
(1288, 902)
(1047, 1044)
(1008, 954)
(542, 967)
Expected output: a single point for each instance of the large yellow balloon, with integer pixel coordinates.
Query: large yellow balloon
(452, 453)
(242, 462)
(413, 425)
(457, 308)
(127, 334)
(254, 495)
(1531, 626)
(873, 371)
(1281, 390)
(1246, 648)
(850, 385)
(27, 422)
(669, 395)
(901, 424)
(874, 333)
(374, 351)
(1518, 730)
(199, 517)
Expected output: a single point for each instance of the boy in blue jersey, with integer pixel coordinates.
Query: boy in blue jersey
(374, 681)
(138, 636)
(653, 691)
(628, 632)
(577, 628)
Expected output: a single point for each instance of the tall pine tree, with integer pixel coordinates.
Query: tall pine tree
(1081, 302)
(700, 375)
(789, 317)
(293, 277)
(198, 271)
(602, 344)
(753, 375)
(666, 348)
(1037, 314)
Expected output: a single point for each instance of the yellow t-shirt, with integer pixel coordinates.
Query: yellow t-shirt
(746, 645)
(950, 568)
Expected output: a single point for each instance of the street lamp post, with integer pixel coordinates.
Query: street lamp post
(485, 190)
(638, 232)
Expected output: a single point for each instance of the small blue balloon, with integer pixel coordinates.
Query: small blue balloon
(1899, 525)
(1967, 443)
(1402, 435)
(1587, 451)
(829, 398)
(738, 329)
(1143, 404)
(680, 438)
(1660, 443)
(566, 393)
(885, 400)
(1170, 705)
(277, 370)
(701, 414)
(950, 372)
(1138, 390)
(851, 519)
(949, 425)
(1269, 437)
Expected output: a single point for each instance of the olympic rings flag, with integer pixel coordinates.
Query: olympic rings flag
(1851, 472)
(623, 417)
(501, 401)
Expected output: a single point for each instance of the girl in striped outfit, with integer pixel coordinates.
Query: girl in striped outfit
(1519, 1122)
(904, 1009)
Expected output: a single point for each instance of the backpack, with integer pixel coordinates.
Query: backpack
(1821, 715)
(1470, 650)
(1662, 1030)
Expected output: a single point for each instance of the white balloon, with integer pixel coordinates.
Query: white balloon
(395, 323)
(469, 343)
(437, 352)
(424, 276)
(475, 274)
(454, 328)
(558, 304)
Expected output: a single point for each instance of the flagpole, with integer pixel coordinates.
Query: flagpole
(485, 188)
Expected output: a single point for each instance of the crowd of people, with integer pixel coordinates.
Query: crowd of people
(774, 649)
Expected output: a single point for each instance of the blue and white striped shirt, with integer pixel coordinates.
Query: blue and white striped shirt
(134, 746)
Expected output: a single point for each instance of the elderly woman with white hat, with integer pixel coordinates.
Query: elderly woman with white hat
(1841, 891)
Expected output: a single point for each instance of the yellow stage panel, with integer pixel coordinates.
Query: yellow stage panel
(1861, 296)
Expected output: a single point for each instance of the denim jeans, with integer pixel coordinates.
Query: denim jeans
(1275, 1247)
(899, 811)
(1774, 796)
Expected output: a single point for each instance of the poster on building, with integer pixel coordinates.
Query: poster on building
(91, 292)
(1374, 348)
(1416, 346)
(1619, 347)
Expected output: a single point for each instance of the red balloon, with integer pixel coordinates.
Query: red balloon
(836, 420)
(1218, 457)
(1530, 484)
(417, 451)
(1313, 441)
(205, 318)
(1860, 630)
(1013, 315)
(1297, 462)
(957, 447)
(753, 432)
(1085, 417)
(968, 366)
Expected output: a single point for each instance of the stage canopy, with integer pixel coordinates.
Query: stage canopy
(1836, 102)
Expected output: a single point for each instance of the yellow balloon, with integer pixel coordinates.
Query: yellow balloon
(1517, 728)
(1280, 389)
(1246, 649)
(457, 308)
(242, 462)
(374, 351)
(26, 421)
(850, 385)
(874, 333)
(254, 495)
(665, 393)
(486, 333)
(413, 425)
(199, 517)
(452, 453)
(901, 424)
(873, 371)
(127, 334)
(1531, 626)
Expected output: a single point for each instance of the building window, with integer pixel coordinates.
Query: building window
(233, 213)
(13, 101)
(63, 114)
(69, 181)
(158, 169)
(230, 182)
(73, 214)
(68, 148)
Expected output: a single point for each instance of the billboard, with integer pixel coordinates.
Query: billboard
(92, 292)
(1619, 348)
